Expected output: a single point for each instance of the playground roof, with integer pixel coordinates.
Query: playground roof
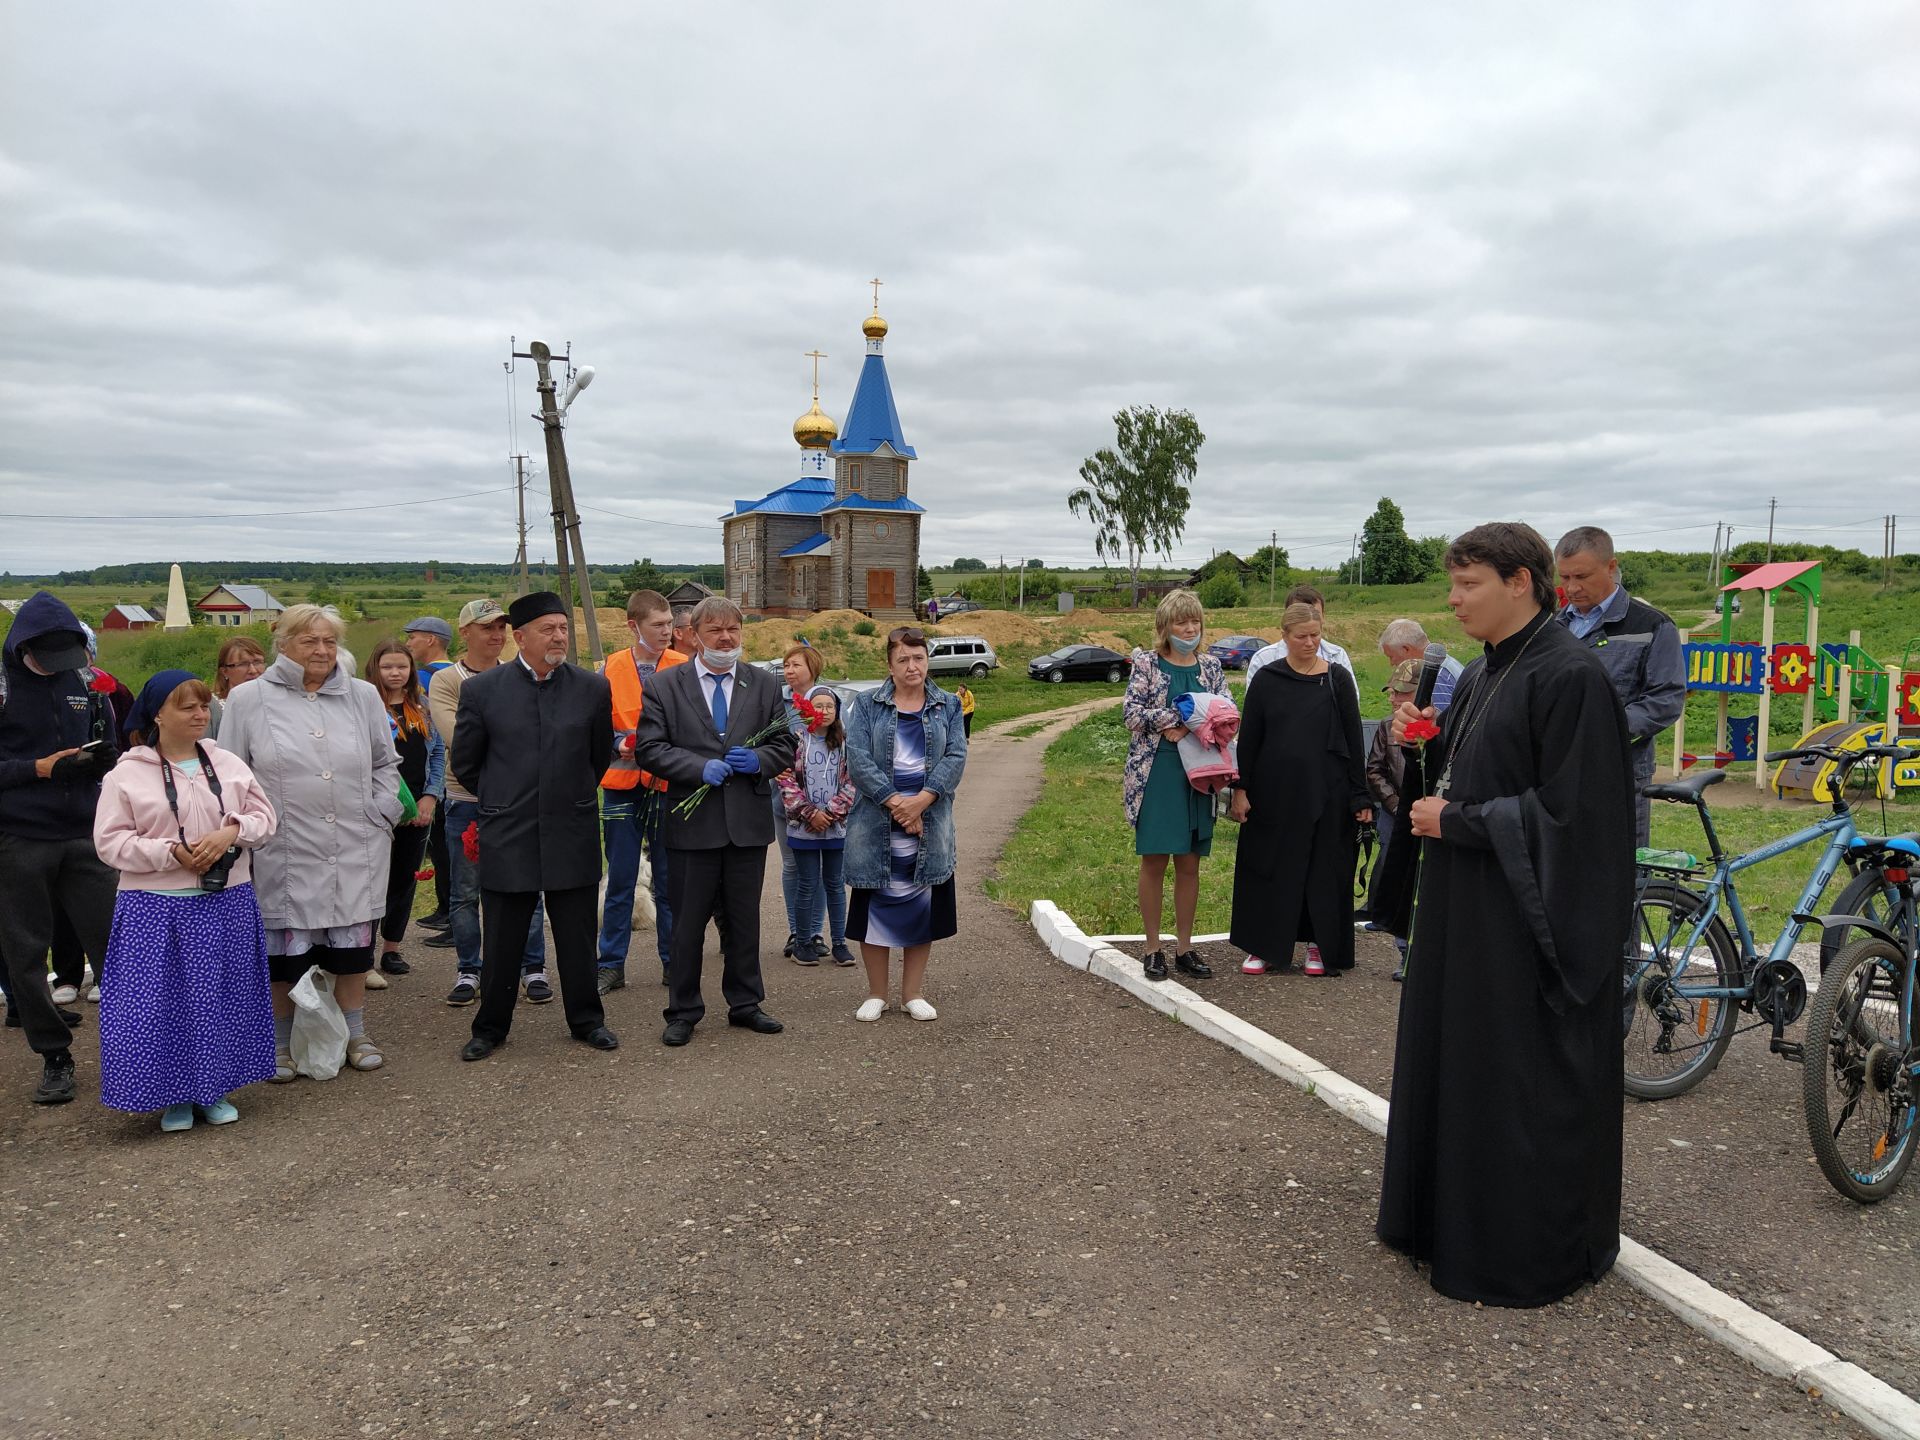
(1771, 577)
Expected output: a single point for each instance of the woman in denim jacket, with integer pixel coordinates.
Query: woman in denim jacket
(906, 749)
(1170, 819)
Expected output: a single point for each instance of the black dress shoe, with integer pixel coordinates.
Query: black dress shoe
(394, 965)
(439, 942)
(600, 1038)
(436, 922)
(1154, 966)
(757, 1021)
(478, 1048)
(1188, 962)
(678, 1032)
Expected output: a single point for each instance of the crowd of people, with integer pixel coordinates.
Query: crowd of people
(208, 848)
(202, 849)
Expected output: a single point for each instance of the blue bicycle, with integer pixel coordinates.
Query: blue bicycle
(1863, 1063)
(1686, 977)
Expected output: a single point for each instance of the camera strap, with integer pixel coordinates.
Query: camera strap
(173, 794)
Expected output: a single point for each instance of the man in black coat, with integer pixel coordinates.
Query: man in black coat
(694, 731)
(531, 742)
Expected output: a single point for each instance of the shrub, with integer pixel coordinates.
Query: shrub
(1222, 592)
(864, 627)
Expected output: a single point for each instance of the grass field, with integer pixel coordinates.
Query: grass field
(1074, 846)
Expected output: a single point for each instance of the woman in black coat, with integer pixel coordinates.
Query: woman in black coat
(1302, 791)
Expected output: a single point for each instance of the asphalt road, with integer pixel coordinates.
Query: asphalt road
(1050, 1213)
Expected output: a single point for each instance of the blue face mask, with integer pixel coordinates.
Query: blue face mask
(1184, 646)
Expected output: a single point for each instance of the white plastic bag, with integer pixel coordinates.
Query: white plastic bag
(319, 1044)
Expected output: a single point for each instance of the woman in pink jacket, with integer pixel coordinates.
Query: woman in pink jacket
(189, 1017)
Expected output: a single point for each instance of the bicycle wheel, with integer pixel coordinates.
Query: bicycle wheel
(1858, 1089)
(1673, 1041)
(1871, 894)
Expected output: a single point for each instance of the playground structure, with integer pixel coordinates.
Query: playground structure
(1844, 692)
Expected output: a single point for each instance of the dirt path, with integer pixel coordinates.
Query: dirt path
(1052, 1213)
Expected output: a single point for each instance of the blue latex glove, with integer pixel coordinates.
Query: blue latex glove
(742, 761)
(714, 772)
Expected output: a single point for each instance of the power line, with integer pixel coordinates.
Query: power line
(259, 514)
(643, 519)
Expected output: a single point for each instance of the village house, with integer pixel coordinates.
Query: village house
(130, 617)
(239, 605)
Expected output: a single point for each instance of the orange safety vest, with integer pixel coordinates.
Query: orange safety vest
(623, 676)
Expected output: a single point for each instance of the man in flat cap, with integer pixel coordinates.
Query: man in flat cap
(531, 741)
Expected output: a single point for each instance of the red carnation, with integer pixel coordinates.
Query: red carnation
(816, 722)
(1421, 728)
(425, 874)
(102, 683)
(470, 841)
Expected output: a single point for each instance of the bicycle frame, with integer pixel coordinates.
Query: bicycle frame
(1840, 831)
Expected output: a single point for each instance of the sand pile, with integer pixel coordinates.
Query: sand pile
(1003, 627)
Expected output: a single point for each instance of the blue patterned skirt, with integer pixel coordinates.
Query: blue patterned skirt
(186, 1015)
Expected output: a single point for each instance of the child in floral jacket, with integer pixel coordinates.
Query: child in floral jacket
(816, 796)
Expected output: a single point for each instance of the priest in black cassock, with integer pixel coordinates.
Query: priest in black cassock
(1503, 1147)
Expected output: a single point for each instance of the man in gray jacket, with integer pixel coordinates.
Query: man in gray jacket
(695, 730)
(1638, 646)
(530, 742)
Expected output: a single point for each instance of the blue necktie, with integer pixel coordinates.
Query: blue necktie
(719, 704)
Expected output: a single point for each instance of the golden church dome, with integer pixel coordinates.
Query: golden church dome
(815, 430)
(873, 327)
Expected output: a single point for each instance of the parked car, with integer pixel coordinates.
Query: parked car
(1079, 662)
(1235, 651)
(960, 655)
(951, 605)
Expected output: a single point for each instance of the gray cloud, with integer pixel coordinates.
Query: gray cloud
(1634, 266)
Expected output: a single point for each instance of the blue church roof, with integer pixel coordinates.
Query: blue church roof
(901, 504)
(872, 420)
(808, 495)
(807, 546)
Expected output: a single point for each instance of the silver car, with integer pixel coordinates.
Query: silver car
(960, 655)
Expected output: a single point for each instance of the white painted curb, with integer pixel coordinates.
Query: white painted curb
(1758, 1339)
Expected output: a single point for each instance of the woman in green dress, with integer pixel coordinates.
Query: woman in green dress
(1170, 819)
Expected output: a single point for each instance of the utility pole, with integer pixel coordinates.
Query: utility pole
(1023, 584)
(1770, 508)
(520, 491)
(566, 519)
(1273, 556)
(1713, 561)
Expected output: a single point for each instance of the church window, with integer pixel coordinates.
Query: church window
(879, 529)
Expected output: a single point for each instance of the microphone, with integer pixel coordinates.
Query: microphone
(1431, 662)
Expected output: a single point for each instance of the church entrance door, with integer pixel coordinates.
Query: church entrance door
(879, 589)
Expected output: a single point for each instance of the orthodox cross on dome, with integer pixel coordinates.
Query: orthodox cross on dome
(816, 356)
(876, 294)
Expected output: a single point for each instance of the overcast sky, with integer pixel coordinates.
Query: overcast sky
(1645, 267)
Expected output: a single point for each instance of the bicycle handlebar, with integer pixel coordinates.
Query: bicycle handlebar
(1845, 759)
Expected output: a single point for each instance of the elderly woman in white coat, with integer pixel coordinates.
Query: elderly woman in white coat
(319, 743)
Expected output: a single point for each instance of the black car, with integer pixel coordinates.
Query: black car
(953, 605)
(1080, 662)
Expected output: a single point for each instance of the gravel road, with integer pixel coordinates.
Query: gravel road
(1051, 1213)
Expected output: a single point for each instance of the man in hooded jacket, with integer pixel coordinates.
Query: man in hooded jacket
(56, 741)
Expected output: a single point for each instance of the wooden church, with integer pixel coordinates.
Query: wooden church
(845, 535)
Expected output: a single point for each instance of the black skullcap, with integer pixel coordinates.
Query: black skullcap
(529, 608)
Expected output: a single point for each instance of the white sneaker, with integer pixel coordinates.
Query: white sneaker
(65, 994)
(921, 1010)
(871, 1009)
(93, 994)
(375, 980)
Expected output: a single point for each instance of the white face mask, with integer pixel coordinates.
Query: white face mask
(720, 659)
(1184, 645)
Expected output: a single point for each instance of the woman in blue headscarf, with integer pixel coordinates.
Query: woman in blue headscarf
(187, 1017)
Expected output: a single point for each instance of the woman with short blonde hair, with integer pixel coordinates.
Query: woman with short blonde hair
(319, 742)
(1171, 820)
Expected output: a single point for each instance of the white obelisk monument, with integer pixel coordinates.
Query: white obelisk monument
(178, 616)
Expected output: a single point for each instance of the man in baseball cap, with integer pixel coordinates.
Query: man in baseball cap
(481, 612)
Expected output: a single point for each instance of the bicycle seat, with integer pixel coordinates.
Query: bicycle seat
(1908, 845)
(1686, 789)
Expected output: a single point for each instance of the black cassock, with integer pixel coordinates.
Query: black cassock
(1503, 1148)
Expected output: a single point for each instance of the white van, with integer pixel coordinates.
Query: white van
(961, 655)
